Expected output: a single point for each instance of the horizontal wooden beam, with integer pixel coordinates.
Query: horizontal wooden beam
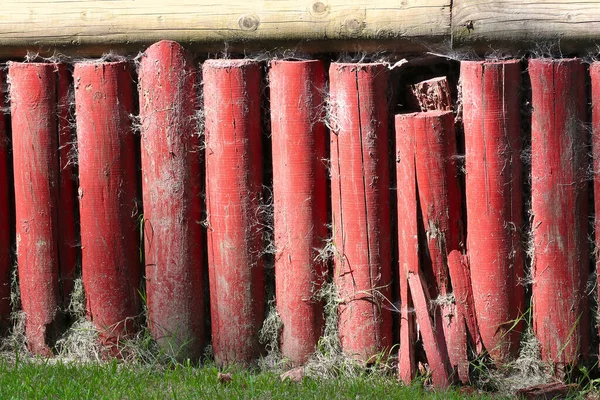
(101, 24)
(92, 27)
(544, 26)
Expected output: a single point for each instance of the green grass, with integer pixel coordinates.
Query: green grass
(113, 380)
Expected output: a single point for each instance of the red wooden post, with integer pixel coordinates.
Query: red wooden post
(171, 168)
(300, 196)
(440, 199)
(233, 190)
(67, 196)
(360, 206)
(33, 96)
(595, 77)
(107, 197)
(432, 331)
(408, 241)
(5, 242)
(494, 202)
(559, 208)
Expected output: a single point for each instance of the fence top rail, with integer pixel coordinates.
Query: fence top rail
(93, 27)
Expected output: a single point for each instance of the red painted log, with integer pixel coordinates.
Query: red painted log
(595, 78)
(171, 169)
(494, 202)
(432, 332)
(439, 192)
(107, 197)
(67, 191)
(233, 191)
(300, 200)
(464, 314)
(559, 207)
(33, 94)
(440, 200)
(5, 242)
(408, 242)
(360, 206)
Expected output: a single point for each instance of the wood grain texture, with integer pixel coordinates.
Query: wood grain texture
(540, 25)
(104, 23)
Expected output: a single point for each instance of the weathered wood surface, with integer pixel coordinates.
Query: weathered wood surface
(538, 25)
(98, 24)
(94, 27)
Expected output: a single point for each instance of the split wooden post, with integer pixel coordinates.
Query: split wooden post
(408, 242)
(360, 206)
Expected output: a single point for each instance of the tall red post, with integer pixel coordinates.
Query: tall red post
(67, 191)
(233, 193)
(5, 241)
(300, 200)
(595, 78)
(172, 204)
(559, 208)
(360, 206)
(33, 94)
(107, 197)
(408, 242)
(491, 111)
(440, 203)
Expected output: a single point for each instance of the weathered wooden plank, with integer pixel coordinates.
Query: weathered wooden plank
(529, 25)
(105, 23)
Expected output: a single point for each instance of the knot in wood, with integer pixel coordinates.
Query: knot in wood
(249, 22)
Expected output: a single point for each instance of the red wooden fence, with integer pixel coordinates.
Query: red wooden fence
(460, 266)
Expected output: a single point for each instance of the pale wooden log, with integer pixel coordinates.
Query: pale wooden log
(102, 24)
(540, 25)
